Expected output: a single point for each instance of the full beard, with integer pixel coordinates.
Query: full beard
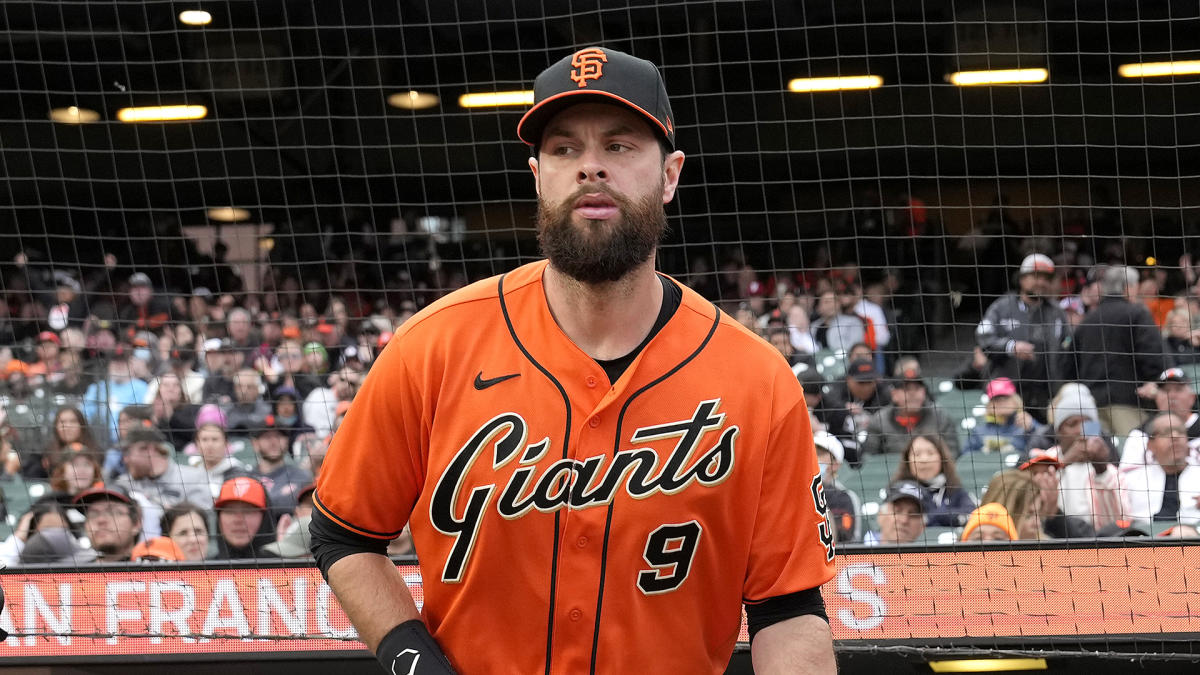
(597, 252)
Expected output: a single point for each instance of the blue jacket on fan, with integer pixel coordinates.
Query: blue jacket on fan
(945, 505)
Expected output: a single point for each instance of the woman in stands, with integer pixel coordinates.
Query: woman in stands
(187, 525)
(70, 427)
(213, 456)
(244, 523)
(1021, 499)
(927, 460)
(75, 473)
(1005, 427)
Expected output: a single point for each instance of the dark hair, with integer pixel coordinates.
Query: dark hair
(904, 471)
(56, 451)
(40, 509)
(180, 510)
(138, 411)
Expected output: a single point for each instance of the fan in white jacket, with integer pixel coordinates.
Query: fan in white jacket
(1145, 487)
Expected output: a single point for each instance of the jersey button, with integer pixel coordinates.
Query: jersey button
(575, 615)
(594, 422)
(581, 542)
(591, 381)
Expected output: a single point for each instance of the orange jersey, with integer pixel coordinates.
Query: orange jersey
(567, 526)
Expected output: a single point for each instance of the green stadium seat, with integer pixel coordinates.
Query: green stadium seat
(831, 364)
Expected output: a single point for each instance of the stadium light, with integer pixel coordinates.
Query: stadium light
(1158, 68)
(195, 17)
(162, 113)
(412, 100)
(228, 214)
(969, 78)
(986, 665)
(496, 98)
(74, 115)
(806, 84)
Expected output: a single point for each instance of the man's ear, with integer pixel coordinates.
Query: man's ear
(537, 183)
(672, 166)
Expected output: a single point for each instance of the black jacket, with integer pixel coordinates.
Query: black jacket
(1115, 349)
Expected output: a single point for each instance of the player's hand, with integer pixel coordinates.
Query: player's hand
(1023, 350)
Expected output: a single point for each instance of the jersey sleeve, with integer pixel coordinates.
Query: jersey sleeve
(792, 545)
(374, 468)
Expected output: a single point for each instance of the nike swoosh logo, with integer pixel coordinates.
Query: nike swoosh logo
(482, 384)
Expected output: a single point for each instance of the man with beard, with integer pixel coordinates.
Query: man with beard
(582, 444)
(113, 521)
(1023, 332)
(282, 479)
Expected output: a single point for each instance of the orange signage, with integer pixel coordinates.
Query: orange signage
(968, 595)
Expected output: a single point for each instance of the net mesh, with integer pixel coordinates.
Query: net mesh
(334, 184)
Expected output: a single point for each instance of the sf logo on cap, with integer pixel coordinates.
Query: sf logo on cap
(588, 65)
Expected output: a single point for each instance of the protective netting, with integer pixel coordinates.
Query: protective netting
(183, 302)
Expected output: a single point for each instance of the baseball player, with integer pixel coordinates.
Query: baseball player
(598, 467)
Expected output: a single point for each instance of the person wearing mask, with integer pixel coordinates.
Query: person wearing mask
(844, 504)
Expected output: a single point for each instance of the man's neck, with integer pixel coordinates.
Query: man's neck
(609, 320)
(118, 556)
(1031, 299)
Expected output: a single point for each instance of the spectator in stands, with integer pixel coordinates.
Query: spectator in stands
(877, 334)
(243, 343)
(173, 412)
(1020, 496)
(319, 408)
(131, 417)
(1005, 427)
(781, 340)
(990, 522)
(1181, 340)
(1115, 349)
(293, 538)
(48, 368)
(44, 514)
(215, 458)
(75, 472)
(181, 362)
(288, 370)
(861, 394)
(144, 311)
(910, 414)
(926, 460)
(901, 516)
(282, 479)
(244, 523)
(797, 321)
(55, 546)
(1022, 333)
(27, 413)
(113, 521)
(1043, 467)
(187, 525)
(1173, 393)
(69, 427)
(248, 408)
(151, 471)
(824, 417)
(833, 328)
(1088, 483)
(844, 505)
(1166, 488)
(219, 360)
(105, 399)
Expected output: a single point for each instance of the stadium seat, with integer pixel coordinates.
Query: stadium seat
(831, 364)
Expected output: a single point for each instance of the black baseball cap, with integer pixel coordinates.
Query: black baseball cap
(862, 370)
(97, 493)
(811, 380)
(1173, 375)
(905, 489)
(602, 75)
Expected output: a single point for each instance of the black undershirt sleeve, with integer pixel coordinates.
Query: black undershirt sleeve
(781, 608)
(331, 542)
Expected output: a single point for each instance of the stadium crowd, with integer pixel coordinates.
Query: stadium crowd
(184, 423)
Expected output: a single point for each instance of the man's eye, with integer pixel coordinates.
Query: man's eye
(617, 147)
